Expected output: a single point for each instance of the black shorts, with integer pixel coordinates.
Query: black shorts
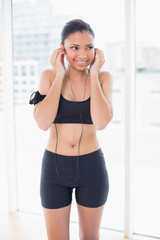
(88, 175)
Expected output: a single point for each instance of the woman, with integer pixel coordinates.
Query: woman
(73, 103)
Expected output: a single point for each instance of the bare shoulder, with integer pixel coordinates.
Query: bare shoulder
(106, 82)
(105, 76)
(46, 80)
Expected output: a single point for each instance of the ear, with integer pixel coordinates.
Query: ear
(61, 45)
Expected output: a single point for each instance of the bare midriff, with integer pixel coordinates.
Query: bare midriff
(69, 133)
(69, 136)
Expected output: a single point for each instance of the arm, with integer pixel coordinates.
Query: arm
(45, 111)
(101, 93)
(101, 100)
(50, 85)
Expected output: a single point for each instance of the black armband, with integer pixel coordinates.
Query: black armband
(36, 97)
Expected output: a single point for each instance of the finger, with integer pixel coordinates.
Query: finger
(63, 52)
(100, 52)
(60, 55)
(60, 59)
(57, 58)
(58, 49)
(56, 52)
(97, 51)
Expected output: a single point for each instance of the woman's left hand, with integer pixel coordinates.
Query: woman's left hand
(98, 61)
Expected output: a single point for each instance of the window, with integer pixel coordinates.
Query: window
(147, 165)
(23, 69)
(32, 70)
(3, 173)
(31, 35)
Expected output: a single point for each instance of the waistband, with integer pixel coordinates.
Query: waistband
(96, 153)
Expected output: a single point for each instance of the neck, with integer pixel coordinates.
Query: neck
(77, 75)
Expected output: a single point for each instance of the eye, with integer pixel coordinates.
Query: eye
(75, 48)
(90, 47)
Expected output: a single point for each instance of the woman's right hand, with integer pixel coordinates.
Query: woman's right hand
(57, 61)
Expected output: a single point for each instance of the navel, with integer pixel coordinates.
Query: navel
(73, 145)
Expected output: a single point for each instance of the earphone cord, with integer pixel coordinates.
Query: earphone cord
(79, 139)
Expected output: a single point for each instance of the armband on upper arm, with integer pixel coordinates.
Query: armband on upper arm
(36, 97)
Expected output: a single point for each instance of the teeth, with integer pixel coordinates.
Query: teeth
(81, 62)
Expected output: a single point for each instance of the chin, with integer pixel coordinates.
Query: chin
(80, 68)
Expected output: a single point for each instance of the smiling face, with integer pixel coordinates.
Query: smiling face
(79, 47)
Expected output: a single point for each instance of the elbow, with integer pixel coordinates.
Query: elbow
(41, 124)
(42, 127)
(104, 124)
(101, 127)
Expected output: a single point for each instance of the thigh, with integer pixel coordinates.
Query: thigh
(93, 188)
(53, 194)
(89, 222)
(57, 223)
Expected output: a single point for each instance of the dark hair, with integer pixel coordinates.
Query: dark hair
(76, 25)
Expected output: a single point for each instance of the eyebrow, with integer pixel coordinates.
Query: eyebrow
(79, 45)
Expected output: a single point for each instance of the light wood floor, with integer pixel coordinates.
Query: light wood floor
(24, 226)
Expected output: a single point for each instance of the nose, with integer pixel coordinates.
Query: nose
(82, 53)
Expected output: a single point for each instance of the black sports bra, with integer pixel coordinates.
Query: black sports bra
(68, 111)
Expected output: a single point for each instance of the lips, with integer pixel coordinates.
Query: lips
(81, 63)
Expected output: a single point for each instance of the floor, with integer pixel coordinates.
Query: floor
(25, 226)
